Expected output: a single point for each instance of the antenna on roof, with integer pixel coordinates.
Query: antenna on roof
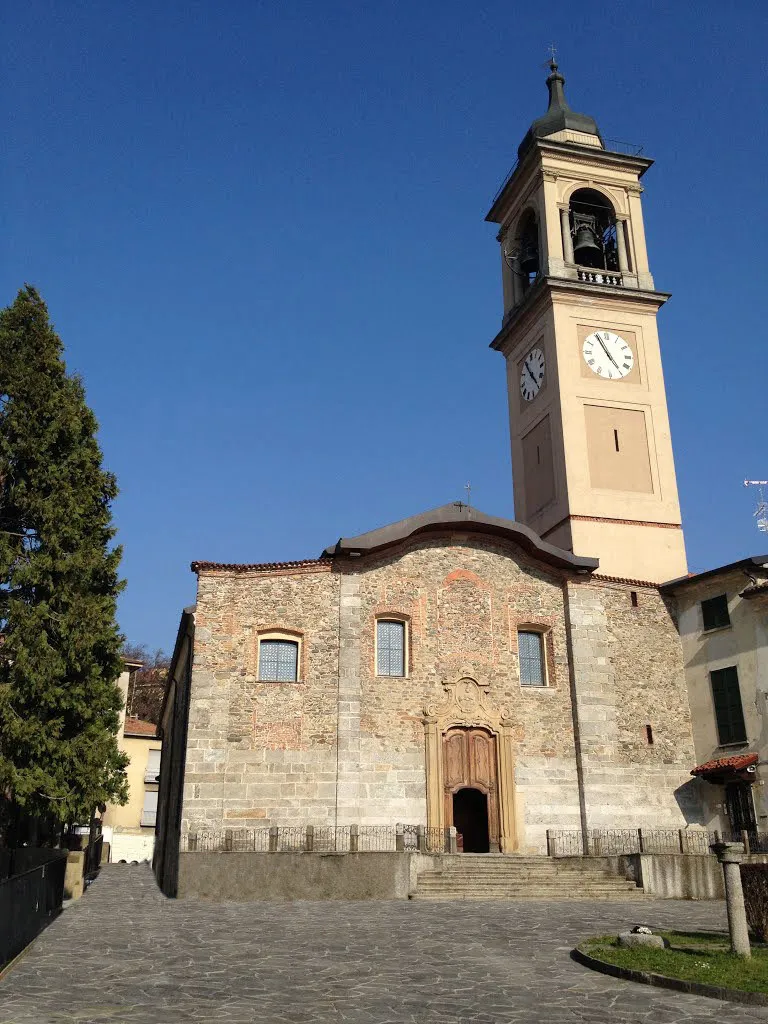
(761, 512)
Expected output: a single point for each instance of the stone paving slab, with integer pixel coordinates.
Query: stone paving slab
(124, 953)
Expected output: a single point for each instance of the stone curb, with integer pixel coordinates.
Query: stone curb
(695, 988)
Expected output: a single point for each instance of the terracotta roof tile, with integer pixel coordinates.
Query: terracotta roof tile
(259, 566)
(135, 727)
(735, 763)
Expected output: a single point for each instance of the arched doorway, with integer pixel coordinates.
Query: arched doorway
(470, 744)
(470, 816)
(470, 780)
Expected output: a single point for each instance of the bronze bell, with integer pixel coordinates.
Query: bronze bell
(586, 249)
(529, 260)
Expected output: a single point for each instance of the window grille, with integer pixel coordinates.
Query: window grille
(278, 661)
(390, 648)
(530, 648)
(729, 713)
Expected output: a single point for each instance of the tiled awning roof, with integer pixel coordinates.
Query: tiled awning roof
(725, 765)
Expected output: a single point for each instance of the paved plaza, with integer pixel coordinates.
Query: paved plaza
(124, 953)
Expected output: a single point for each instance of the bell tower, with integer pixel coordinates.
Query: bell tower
(592, 456)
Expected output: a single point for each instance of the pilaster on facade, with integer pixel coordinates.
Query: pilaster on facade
(349, 703)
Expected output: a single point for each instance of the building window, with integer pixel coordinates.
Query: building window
(278, 661)
(714, 612)
(390, 647)
(149, 810)
(152, 771)
(530, 648)
(729, 713)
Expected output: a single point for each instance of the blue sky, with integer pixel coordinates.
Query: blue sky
(259, 229)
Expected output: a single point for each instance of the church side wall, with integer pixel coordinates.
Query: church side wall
(628, 672)
(262, 753)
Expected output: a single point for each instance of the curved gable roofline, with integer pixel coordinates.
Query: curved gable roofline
(464, 519)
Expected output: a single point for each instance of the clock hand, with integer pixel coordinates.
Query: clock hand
(602, 345)
(535, 382)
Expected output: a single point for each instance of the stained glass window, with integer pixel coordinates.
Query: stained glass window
(390, 648)
(531, 651)
(278, 660)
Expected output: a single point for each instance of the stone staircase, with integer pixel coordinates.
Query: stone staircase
(483, 876)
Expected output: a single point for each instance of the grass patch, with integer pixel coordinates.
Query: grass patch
(704, 957)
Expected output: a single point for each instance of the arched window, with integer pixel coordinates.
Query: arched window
(593, 230)
(529, 262)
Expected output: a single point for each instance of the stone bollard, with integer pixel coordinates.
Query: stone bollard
(310, 840)
(273, 838)
(453, 842)
(421, 839)
(730, 856)
(354, 838)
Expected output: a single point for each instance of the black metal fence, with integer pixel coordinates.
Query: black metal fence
(614, 842)
(30, 896)
(322, 839)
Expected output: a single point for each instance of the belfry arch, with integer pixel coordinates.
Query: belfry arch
(483, 745)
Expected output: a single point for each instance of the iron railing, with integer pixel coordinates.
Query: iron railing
(615, 842)
(29, 900)
(320, 839)
(92, 859)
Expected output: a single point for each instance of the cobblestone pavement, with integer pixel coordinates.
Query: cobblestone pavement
(124, 953)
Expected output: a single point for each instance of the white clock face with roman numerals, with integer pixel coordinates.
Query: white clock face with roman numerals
(608, 355)
(532, 374)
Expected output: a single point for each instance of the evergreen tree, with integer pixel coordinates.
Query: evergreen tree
(59, 641)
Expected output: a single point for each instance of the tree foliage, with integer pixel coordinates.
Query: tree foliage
(147, 686)
(60, 654)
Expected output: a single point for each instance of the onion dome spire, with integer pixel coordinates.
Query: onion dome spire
(559, 116)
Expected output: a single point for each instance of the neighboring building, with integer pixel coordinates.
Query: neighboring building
(130, 829)
(723, 623)
(456, 668)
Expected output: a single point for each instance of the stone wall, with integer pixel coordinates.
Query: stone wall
(628, 674)
(295, 876)
(260, 753)
(344, 745)
(464, 599)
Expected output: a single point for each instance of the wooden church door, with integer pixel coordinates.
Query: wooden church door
(470, 764)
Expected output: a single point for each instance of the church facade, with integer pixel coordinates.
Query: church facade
(455, 668)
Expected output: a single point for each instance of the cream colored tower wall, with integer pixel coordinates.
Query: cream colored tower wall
(633, 527)
(648, 552)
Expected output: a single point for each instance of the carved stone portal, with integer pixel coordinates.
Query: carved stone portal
(467, 704)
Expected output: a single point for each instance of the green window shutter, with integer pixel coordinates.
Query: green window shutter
(728, 710)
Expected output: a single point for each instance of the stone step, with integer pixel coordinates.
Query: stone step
(441, 883)
(542, 897)
(543, 875)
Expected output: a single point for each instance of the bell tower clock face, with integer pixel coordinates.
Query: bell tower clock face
(532, 374)
(608, 355)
